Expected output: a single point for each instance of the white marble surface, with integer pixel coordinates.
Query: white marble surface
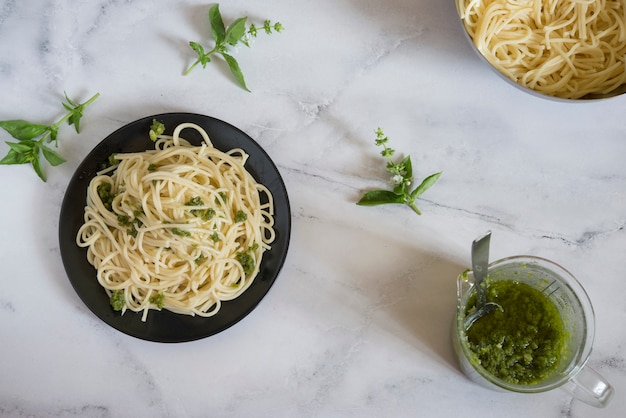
(357, 323)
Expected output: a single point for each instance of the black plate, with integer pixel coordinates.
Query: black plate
(165, 326)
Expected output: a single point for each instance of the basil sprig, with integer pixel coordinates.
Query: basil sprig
(401, 178)
(29, 148)
(226, 37)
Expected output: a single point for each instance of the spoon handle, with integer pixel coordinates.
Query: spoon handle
(480, 262)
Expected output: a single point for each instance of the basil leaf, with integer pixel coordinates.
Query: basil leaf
(69, 101)
(37, 166)
(217, 24)
(235, 70)
(425, 185)
(408, 167)
(380, 197)
(74, 119)
(23, 130)
(75, 113)
(52, 156)
(14, 157)
(22, 147)
(203, 58)
(235, 31)
(54, 131)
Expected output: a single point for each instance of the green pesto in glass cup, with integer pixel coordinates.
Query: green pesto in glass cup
(524, 341)
(539, 340)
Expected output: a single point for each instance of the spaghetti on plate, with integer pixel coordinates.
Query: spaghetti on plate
(180, 227)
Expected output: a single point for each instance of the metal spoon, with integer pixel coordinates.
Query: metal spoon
(480, 263)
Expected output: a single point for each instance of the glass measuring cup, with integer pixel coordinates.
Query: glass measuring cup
(575, 309)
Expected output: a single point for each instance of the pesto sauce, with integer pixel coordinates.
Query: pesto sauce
(523, 343)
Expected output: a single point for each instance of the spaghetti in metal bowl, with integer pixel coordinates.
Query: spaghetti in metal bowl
(568, 49)
(180, 227)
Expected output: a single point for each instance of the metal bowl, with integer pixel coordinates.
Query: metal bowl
(588, 97)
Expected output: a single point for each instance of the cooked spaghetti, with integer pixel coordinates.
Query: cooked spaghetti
(561, 48)
(180, 227)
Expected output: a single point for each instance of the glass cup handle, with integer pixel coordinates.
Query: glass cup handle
(589, 387)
